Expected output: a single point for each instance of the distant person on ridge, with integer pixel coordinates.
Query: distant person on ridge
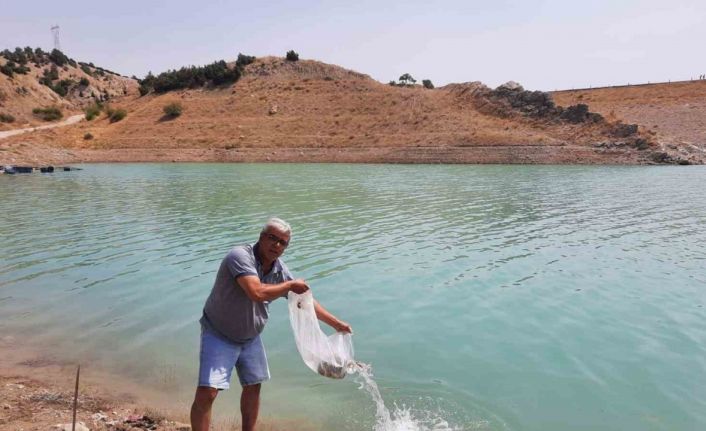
(250, 276)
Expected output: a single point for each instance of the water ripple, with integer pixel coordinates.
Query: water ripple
(535, 294)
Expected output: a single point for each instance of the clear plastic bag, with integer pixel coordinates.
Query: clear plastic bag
(331, 356)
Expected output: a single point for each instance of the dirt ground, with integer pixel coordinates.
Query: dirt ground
(37, 391)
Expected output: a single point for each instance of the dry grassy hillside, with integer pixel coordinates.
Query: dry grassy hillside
(311, 111)
(21, 93)
(674, 112)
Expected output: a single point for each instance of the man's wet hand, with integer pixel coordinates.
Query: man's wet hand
(298, 286)
(341, 326)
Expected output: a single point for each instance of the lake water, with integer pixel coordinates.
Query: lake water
(489, 297)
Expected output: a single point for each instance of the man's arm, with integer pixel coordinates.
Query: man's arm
(331, 320)
(260, 292)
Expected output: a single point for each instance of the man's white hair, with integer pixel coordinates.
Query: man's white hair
(278, 224)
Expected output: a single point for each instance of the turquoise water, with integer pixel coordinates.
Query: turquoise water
(492, 297)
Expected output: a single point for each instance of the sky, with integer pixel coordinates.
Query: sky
(543, 45)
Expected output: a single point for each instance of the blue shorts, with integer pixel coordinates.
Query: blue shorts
(219, 356)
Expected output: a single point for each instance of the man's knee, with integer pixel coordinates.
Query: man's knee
(205, 396)
(252, 389)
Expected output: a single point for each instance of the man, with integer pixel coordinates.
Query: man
(250, 276)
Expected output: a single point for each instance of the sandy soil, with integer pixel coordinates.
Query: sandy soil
(36, 393)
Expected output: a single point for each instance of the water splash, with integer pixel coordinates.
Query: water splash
(400, 418)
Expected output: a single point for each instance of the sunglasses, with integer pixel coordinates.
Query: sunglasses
(276, 239)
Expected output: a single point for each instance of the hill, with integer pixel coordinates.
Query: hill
(31, 78)
(311, 111)
(674, 113)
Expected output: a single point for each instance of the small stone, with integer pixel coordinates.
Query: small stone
(6, 406)
(178, 426)
(80, 426)
(98, 417)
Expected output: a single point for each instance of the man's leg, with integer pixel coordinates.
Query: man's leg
(252, 371)
(201, 409)
(249, 406)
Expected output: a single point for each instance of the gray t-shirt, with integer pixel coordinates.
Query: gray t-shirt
(228, 311)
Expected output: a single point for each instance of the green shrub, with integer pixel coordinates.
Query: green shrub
(62, 87)
(92, 111)
(244, 60)
(407, 79)
(10, 68)
(427, 84)
(58, 58)
(173, 110)
(393, 83)
(117, 115)
(7, 69)
(49, 75)
(6, 118)
(20, 56)
(48, 114)
(88, 136)
(217, 73)
(17, 56)
(143, 89)
(292, 56)
(84, 82)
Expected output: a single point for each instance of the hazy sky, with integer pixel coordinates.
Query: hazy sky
(543, 45)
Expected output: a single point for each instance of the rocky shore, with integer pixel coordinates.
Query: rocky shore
(37, 393)
(32, 404)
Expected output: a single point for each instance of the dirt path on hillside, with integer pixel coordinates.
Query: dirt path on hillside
(71, 120)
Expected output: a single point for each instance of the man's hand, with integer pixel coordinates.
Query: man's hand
(298, 286)
(341, 326)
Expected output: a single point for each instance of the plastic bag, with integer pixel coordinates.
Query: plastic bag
(330, 356)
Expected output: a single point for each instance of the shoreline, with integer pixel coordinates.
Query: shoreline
(36, 393)
(481, 155)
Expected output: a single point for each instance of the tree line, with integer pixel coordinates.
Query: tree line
(214, 74)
